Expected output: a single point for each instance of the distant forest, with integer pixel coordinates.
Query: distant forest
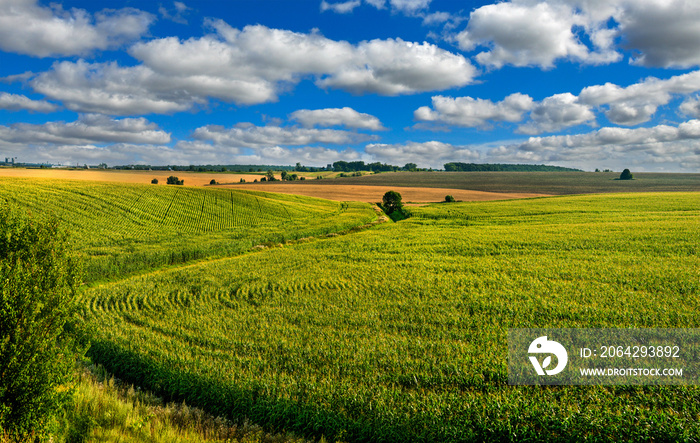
(481, 167)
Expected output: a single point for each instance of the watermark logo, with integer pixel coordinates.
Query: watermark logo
(543, 346)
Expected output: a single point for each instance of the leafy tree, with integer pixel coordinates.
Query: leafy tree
(270, 176)
(392, 202)
(39, 277)
(173, 180)
(449, 199)
(154, 181)
(626, 175)
(285, 176)
(213, 182)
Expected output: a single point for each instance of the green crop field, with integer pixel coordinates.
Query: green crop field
(398, 333)
(127, 228)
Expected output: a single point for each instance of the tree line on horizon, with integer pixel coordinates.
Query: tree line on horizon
(482, 167)
(353, 166)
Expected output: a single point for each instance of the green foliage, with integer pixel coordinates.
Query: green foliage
(468, 167)
(626, 175)
(343, 166)
(391, 201)
(154, 181)
(40, 278)
(213, 181)
(386, 340)
(449, 199)
(173, 180)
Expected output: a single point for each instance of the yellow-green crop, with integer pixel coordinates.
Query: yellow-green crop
(398, 333)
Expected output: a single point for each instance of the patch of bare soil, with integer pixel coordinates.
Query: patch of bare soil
(373, 194)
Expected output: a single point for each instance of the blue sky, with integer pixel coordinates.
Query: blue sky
(579, 83)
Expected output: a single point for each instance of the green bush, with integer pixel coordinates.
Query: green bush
(154, 181)
(173, 180)
(39, 337)
(626, 175)
(449, 199)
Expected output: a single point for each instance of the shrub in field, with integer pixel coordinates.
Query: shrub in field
(213, 182)
(173, 180)
(40, 277)
(154, 181)
(449, 199)
(626, 175)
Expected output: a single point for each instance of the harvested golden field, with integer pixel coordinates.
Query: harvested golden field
(125, 176)
(374, 194)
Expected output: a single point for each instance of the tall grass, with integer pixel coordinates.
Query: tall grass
(107, 410)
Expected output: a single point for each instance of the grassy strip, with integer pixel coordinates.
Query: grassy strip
(108, 410)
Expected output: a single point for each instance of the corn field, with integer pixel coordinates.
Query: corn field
(398, 333)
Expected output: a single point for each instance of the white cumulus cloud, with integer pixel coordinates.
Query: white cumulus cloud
(28, 28)
(88, 129)
(327, 117)
(340, 7)
(522, 34)
(249, 66)
(15, 102)
(474, 112)
(636, 103)
(540, 32)
(251, 136)
(557, 112)
(673, 145)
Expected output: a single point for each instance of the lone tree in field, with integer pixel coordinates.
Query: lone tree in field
(39, 279)
(154, 181)
(626, 175)
(392, 202)
(449, 199)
